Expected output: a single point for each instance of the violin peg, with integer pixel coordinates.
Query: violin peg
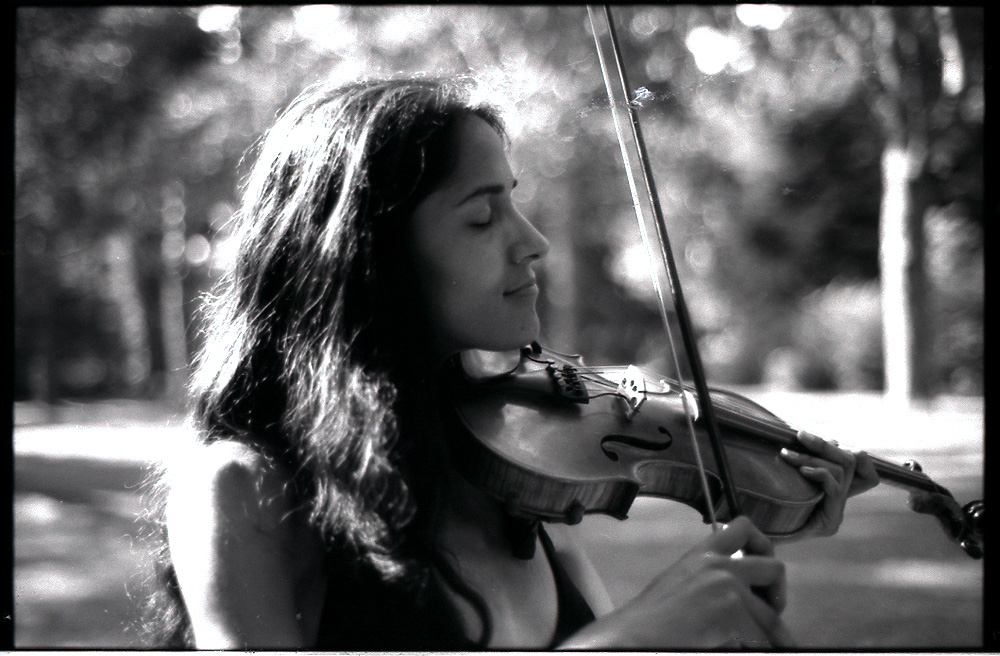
(973, 548)
(973, 512)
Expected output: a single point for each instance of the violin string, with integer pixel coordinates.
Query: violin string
(719, 402)
(740, 418)
(593, 375)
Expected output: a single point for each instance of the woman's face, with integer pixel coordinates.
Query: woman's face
(474, 250)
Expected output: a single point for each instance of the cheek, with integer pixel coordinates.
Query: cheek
(468, 309)
(469, 316)
(462, 291)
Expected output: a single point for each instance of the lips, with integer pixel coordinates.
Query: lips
(527, 286)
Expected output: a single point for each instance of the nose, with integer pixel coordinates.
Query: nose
(529, 244)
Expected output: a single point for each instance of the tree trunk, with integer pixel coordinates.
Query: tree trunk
(172, 319)
(119, 252)
(901, 251)
(903, 57)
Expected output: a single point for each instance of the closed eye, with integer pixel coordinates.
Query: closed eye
(482, 214)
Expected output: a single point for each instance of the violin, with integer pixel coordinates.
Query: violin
(554, 440)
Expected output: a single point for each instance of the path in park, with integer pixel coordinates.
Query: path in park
(888, 580)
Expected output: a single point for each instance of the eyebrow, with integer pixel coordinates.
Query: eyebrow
(486, 190)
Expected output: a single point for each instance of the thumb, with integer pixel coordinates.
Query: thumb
(780, 637)
(740, 534)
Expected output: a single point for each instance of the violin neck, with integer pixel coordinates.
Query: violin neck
(782, 435)
(904, 477)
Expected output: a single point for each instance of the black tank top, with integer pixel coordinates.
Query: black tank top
(364, 613)
(573, 610)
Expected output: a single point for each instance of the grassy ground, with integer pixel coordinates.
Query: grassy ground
(888, 580)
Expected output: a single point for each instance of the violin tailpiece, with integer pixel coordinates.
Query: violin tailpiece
(568, 383)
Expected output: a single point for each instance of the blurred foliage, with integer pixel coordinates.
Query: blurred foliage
(839, 332)
(765, 126)
(955, 268)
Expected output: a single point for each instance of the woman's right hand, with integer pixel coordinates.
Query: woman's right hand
(712, 597)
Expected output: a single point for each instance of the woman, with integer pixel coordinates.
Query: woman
(378, 243)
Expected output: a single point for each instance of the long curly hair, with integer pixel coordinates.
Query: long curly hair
(314, 352)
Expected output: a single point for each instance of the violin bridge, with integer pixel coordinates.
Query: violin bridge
(632, 390)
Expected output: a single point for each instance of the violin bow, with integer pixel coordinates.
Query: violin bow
(636, 161)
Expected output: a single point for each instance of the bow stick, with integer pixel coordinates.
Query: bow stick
(618, 98)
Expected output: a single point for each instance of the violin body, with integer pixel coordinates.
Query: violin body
(555, 440)
(558, 456)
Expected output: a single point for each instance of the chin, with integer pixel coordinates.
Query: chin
(507, 343)
(523, 340)
(524, 333)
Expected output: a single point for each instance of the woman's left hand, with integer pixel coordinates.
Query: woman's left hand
(841, 474)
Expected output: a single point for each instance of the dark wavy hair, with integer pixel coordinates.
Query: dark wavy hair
(315, 343)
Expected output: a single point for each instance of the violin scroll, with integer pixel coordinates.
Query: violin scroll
(963, 524)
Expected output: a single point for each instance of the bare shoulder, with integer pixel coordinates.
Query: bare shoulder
(230, 488)
(250, 567)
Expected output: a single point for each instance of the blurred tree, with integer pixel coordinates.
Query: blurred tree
(763, 205)
(85, 89)
(132, 124)
(121, 130)
(771, 128)
(924, 74)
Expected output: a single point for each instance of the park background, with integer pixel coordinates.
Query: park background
(821, 173)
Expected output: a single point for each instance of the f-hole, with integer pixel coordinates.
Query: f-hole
(609, 441)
